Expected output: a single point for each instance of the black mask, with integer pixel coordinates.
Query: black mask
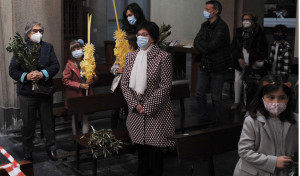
(277, 37)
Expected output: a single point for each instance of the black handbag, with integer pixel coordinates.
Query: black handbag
(42, 90)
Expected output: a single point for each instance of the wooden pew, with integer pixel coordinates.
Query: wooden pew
(207, 143)
(103, 102)
(180, 92)
(26, 168)
(90, 104)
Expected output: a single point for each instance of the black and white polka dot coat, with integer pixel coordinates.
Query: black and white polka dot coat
(157, 124)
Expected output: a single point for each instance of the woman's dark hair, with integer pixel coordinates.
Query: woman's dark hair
(137, 11)
(280, 28)
(275, 83)
(132, 41)
(217, 5)
(252, 15)
(152, 29)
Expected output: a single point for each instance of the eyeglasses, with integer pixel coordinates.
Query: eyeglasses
(143, 34)
(37, 30)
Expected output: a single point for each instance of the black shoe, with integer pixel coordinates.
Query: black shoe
(28, 157)
(52, 154)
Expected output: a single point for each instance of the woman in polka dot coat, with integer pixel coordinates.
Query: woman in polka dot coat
(146, 86)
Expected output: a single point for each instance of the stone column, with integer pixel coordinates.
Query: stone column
(14, 15)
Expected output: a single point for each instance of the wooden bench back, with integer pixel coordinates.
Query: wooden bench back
(208, 142)
(108, 101)
(95, 103)
(180, 91)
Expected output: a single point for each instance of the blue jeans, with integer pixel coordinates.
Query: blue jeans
(215, 81)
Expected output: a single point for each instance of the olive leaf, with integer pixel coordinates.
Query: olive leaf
(27, 57)
(103, 140)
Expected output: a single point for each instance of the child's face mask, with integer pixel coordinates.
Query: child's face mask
(77, 53)
(275, 108)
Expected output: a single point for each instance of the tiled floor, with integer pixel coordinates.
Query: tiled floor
(126, 163)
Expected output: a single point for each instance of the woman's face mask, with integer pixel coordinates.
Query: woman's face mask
(259, 64)
(36, 37)
(246, 23)
(131, 20)
(142, 42)
(77, 53)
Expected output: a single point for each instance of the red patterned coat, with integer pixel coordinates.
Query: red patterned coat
(157, 124)
(72, 80)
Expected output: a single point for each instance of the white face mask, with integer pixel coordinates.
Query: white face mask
(246, 23)
(259, 64)
(36, 37)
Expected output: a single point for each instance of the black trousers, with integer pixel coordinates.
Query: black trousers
(30, 107)
(150, 160)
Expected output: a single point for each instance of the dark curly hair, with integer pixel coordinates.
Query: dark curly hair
(152, 29)
(280, 28)
(138, 14)
(257, 105)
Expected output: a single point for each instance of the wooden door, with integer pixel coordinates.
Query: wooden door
(73, 24)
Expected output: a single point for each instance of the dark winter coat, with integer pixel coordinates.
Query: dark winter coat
(157, 123)
(49, 64)
(256, 45)
(213, 43)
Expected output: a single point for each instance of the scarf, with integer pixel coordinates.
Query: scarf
(138, 76)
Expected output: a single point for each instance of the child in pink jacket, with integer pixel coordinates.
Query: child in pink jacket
(75, 84)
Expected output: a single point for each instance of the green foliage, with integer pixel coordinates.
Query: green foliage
(103, 140)
(28, 60)
(163, 34)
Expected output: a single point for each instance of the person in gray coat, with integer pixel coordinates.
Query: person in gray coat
(270, 133)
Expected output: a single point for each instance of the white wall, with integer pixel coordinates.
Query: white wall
(185, 17)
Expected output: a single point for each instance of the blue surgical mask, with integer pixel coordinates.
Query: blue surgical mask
(77, 54)
(206, 14)
(142, 42)
(131, 20)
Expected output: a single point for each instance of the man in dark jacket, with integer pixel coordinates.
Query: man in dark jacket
(213, 43)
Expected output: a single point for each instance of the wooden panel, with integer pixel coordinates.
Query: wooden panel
(208, 142)
(72, 24)
(180, 91)
(95, 103)
(109, 51)
(192, 148)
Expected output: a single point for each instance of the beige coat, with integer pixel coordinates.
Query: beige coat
(257, 147)
(157, 124)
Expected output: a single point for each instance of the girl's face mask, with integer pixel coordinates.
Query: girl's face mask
(77, 54)
(275, 108)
